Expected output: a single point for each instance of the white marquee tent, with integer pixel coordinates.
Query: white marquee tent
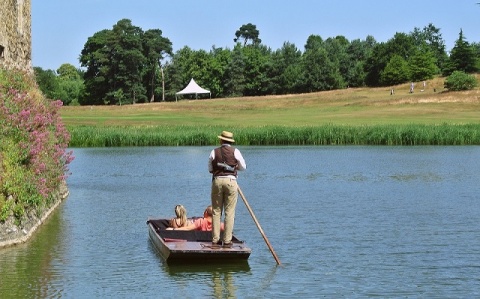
(193, 88)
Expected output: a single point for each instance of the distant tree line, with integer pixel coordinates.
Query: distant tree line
(66, 84)
(127, 65)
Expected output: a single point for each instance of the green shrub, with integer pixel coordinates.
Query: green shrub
(459, 80)
(33, 156)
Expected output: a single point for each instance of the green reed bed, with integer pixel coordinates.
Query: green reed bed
(95, 136)
(445, 134)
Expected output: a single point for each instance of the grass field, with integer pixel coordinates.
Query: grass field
(352, 108)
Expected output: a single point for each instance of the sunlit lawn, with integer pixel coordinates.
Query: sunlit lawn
(355, 106)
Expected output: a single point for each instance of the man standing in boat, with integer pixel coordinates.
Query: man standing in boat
(223, 163)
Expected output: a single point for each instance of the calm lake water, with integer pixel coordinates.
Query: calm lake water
(347, 222)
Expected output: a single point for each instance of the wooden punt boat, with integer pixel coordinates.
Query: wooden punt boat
(192, 246)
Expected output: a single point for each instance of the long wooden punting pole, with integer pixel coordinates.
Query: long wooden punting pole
(258, 226)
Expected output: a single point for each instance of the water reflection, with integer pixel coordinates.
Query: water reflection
(219, 276)
(223, 286)
(202, 268)
(27, 270)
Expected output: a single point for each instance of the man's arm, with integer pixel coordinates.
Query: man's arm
(241, 162)
(210, 159)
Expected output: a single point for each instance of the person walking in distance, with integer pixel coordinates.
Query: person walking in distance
(223, 164)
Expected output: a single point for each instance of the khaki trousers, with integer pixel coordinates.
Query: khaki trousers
(224, 197)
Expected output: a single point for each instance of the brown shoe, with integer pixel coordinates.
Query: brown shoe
(215, 245)
(227, 245)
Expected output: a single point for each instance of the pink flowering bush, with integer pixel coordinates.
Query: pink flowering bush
(33, 150)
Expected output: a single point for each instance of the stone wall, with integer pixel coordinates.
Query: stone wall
(12, 233)
(16, 35)
(16, 54)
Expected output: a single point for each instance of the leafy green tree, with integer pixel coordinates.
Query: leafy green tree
(67, 86)
(95, 57)
(69, 72)
(235, 77)
(200, 68)
(220, 60)
(171, 77)
(320, 72)
(185, 65)
(200, 65)
(118, 95)
(395, 72)
(313, 42)
(315, 64)
(338, 56)
(155, 48)
(422, 65)
(116, 60)
(127, 62)
(71, 91)
(476, 50)
(248, 32)
(256, 67)
(358, 51)
(432, 38)
(375, 64)
(176, 70)
(47, 82)
(71, 84)
(462, 57)
(286, 71)
(401, 44)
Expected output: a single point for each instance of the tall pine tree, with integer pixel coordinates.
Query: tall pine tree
(462, 57)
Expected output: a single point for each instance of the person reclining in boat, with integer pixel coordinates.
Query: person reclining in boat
(181, 217)
(203, 223)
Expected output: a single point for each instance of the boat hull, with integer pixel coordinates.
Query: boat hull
(192, 246)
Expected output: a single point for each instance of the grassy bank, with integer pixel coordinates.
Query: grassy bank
(352, 116)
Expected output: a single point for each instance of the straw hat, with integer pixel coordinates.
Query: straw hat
(227, 136)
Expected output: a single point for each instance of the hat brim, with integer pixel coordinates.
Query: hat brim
(226, 139)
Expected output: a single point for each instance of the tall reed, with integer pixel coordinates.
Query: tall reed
(415, 134)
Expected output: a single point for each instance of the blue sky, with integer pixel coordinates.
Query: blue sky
(60, 28)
